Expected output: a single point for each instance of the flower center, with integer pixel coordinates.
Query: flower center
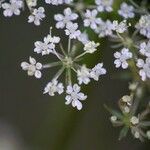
(32, 68)
(68, 62)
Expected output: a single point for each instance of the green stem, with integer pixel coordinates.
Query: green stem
(62, 49)
(58, 74)
(68, 76)
(134, 4)
(79, 56)
(50, 65)
(69, 45)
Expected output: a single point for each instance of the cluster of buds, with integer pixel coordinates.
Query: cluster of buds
(128, 118)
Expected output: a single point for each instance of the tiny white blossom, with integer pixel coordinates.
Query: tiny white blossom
(120, 27)
(54, 2)
(72, 30)
(74, 96)
(126, 109)
(48, 46)
(144, 68)
(104, 5)
(105, 28)
(91, 20)
(113, 118)
(31, 3)
(53, 87)
(62, 20)
(127, 99)
(137, 135)
(83, 75)
(144, 25)
(36, 16)
(122, 57)
(32, 68)
(83, 37)
(145, 48)
(134, 120)
(97, 71)
(12, 8)
(90, 47)
(126, 11)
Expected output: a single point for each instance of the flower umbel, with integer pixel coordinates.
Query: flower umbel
(69, 62)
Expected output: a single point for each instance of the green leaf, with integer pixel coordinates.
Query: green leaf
(123, 132)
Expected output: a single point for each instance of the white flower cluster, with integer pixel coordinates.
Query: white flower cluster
(89, 15)
(58, 2)
(67, 59)
(14, 7)
(144, 65)
(69, 62)
(137, 124)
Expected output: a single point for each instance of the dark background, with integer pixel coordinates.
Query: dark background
(30, 120)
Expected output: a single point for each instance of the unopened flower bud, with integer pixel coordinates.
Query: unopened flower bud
(134, 120)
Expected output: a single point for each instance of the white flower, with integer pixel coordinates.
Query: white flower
(12, 8)
(104, 5)
(54, 2)
(126, 11)
(137, 135)
(122, 57)
(144, 25)
(127, 99)
(144, 68)
(36, 16)
(83, 37)
(31, 3)
(145, 48)
(91, 20)
(53, 87)
(134, 120)
(97, 71)
(113, 119)
(74, 96)
(83, 75)
(48, 46)
(62, 20)
(32, 68)
(72, 30)
(90, 47)
(120, 27)
(104, 28)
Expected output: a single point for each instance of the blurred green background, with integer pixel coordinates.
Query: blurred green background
(30, 120)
